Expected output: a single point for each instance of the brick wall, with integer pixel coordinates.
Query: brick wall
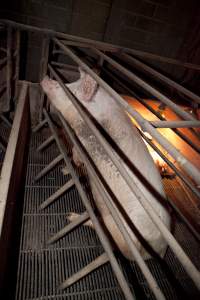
(157, 26)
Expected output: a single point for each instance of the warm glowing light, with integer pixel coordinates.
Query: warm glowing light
(148, 135)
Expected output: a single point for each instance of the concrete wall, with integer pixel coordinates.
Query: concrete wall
(158, 26)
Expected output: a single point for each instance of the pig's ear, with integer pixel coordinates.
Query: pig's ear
(87, 88)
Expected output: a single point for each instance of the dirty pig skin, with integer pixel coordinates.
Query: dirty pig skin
(117, 124)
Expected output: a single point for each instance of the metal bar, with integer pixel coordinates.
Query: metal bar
(95, 264)
(176, 170)
(10, 153)
(146, 126)
(183, 178)
(143, 84)
(160, 76)
(156, 113)
(114, 212)
(46, 143)
(43, 69)
(175, 124)
(57, 194)
(39, 126)
(184, 259)
(9, 64)
(65, 230)
(49, 167)
(102, 236)
(105, 46)
(17, 61)
(11, 185)
(64, 66)
(2, 146)
(5, 120)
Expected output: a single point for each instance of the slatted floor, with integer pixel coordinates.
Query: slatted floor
(42, 268)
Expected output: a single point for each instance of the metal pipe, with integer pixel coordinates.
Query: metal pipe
(147, 87)
(114, 212)
(69, 227)
(175, 124)
(17, 62)
(183, 178)
(105, 46)
(138, 64)
(43, 70)
(183, 258)
(49, 167)
(102, 236)
(145, 125)
(9, 64)
(156, 113)
(95, 264)
(57, 194)
(39, 126)
(46, 143)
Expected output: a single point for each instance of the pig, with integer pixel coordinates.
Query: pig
(119, 127)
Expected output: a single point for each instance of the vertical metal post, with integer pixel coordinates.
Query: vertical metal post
(43, 70)
(17, 62)
(9, 64)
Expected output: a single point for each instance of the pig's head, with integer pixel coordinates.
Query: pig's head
(55, 93)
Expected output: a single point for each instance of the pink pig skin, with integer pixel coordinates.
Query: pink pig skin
(117, 124)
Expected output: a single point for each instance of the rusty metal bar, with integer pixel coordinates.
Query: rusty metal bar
(105, 46)
(102, 236)
(57, 194)
(71, 226)
(46, 143)
(142, 66)
(183, 258)
(49, 167)
(175, 124)
(95, 264)
(145, 125)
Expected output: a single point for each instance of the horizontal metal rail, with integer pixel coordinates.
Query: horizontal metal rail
(145, 125)
(175, 124)
(102, 236)
(142, 66)
(183, 258)
(103, 45)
